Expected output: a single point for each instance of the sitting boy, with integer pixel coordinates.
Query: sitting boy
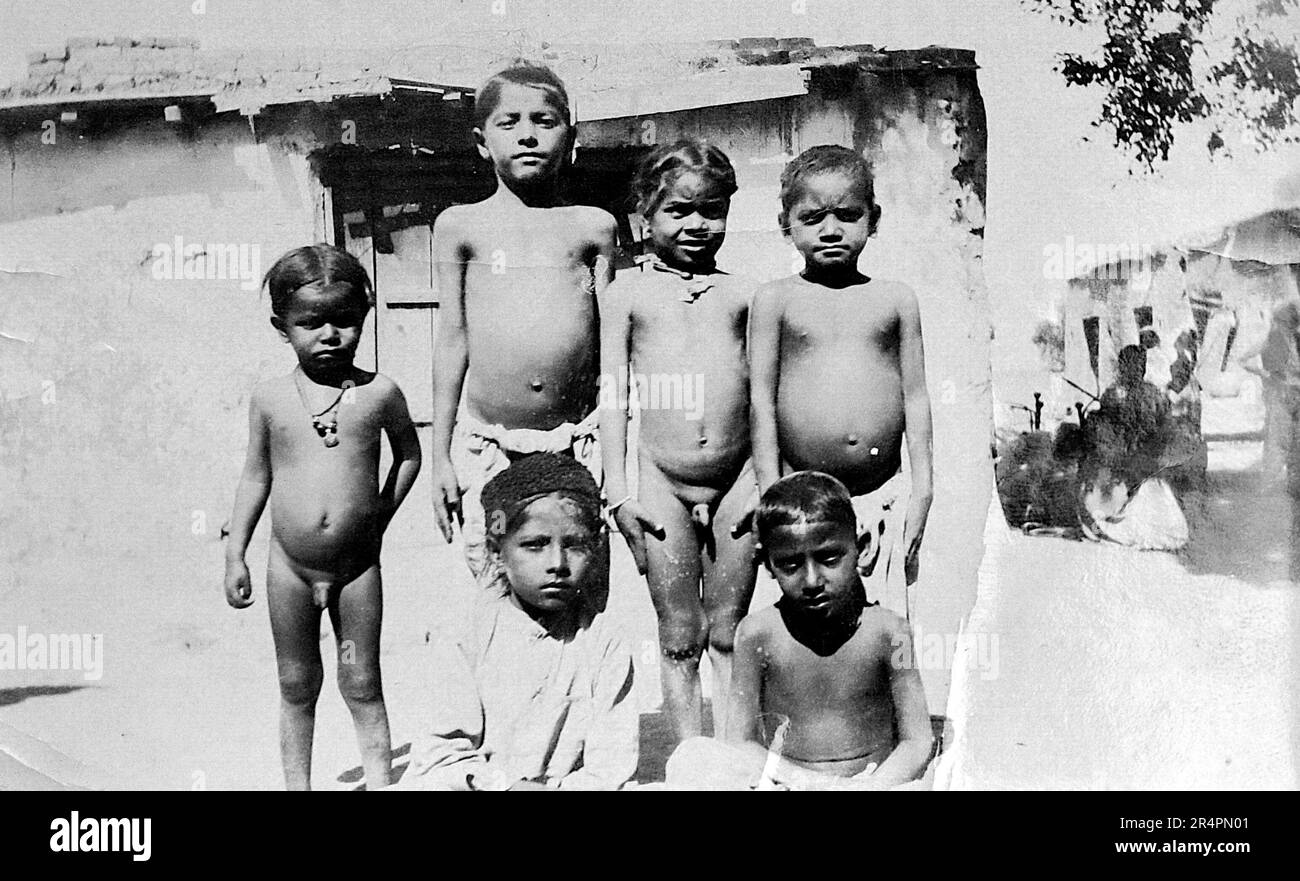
(823, 677)
(538, 693)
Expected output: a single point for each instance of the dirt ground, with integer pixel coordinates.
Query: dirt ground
(1115, 668)
(1123, 669)
(188, 697)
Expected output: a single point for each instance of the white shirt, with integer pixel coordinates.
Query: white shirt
(516, 702)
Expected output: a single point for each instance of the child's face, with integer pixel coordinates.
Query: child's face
(689, 224)
(323, 325)
(830, 220)
(816, 565)
(546, 557)
(526, 136)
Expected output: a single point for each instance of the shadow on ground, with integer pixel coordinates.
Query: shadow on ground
(10, 696)
(1242, 527)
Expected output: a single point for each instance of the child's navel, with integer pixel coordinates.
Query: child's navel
(853, 440)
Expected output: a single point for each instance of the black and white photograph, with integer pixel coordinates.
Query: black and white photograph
(541, 395)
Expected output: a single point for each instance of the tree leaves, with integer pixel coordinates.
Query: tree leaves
(1157, 71)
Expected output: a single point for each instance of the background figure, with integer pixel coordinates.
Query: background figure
(1127, 497)
(1133, 414)
(1281, 362)
(1185, 441)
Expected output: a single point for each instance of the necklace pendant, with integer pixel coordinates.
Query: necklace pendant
(326, 422)
(696, 289)
(330, 431)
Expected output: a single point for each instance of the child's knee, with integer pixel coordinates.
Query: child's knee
(722, 629)
(300, 684)
(683, 633)
(360, 683)
(682, 640)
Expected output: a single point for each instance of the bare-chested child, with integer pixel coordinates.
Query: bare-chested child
(679, 323)
(313, 451)
(825, 693)
(839, 369)
(518, 276)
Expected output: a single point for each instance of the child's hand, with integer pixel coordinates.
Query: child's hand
(634, 521)
(913, 531)
(866, 781)
(239, 586)
(446, 499)
(745, 523)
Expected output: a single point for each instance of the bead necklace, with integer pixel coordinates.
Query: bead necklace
(326, 422)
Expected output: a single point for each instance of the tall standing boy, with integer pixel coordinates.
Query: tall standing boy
(518, 275)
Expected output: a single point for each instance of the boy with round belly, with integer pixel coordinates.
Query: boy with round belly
(838, 369)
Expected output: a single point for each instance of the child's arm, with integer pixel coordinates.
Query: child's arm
(632, 519)
(606, 239)
(764, 369)
(744, 725)
(918, 428)
(911, 717)
(450, 361)
(609, 753)
(250, 499)
(406, 454)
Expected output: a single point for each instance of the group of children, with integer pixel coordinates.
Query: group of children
(792, 459)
